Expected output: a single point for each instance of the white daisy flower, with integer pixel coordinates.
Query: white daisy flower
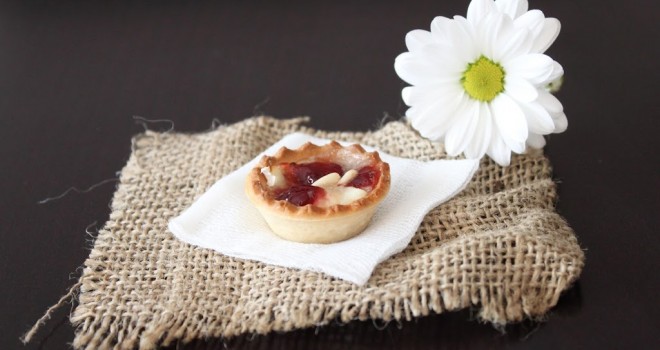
(480, 83)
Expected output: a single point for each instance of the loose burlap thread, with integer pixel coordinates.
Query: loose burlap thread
(498, 247)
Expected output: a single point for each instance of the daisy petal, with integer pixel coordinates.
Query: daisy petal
(561, 123)
(477, 148)
(405, 95)
(557, 72)
(520, 89)
(492, 27)
(535, 67)
(419, 96)
(498, 150)
(447, 116)
(426, 116)
(549, 102)
(532, 20)
(536, 141)
(510, 122)
(439, 27)
(463, 37)
(539, 120)
(447, 65)
(478, 9)
(547, 36)
(433, 120)
(518, 42)
(461, 133)
(415, 69)
(512, 8)
(417, 39)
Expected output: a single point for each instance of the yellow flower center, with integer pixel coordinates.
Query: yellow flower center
(483, 79)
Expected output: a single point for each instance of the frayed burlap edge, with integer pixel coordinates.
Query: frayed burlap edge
(498, 247)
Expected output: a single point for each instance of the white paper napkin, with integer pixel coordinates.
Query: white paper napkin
(223, 219)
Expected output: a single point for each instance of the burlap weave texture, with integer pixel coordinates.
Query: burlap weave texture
(498, 246)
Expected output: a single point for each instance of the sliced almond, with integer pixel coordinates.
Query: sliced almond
(349, 194)
(348, 177)
(328, 180)
(273, 176)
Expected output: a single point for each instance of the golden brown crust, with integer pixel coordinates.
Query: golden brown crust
(258, 191)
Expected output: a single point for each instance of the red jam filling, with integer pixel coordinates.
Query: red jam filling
(367, 177)
(306, 174)
(300, 195)
(300, 177)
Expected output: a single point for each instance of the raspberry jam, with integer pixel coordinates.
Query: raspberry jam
(300, 177)
(300, 195)
(306, 174)
(366, 178)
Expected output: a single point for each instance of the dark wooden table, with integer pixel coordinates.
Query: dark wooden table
(73, 75)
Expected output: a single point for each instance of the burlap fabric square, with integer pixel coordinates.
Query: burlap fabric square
(498, 247)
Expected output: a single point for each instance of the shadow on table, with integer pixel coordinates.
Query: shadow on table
(454, 329)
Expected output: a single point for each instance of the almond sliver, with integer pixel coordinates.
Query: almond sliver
(328, 180)
(348, 177)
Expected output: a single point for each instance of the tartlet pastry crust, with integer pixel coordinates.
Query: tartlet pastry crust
(310, 223)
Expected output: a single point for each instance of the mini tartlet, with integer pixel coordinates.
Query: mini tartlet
(318, 194)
